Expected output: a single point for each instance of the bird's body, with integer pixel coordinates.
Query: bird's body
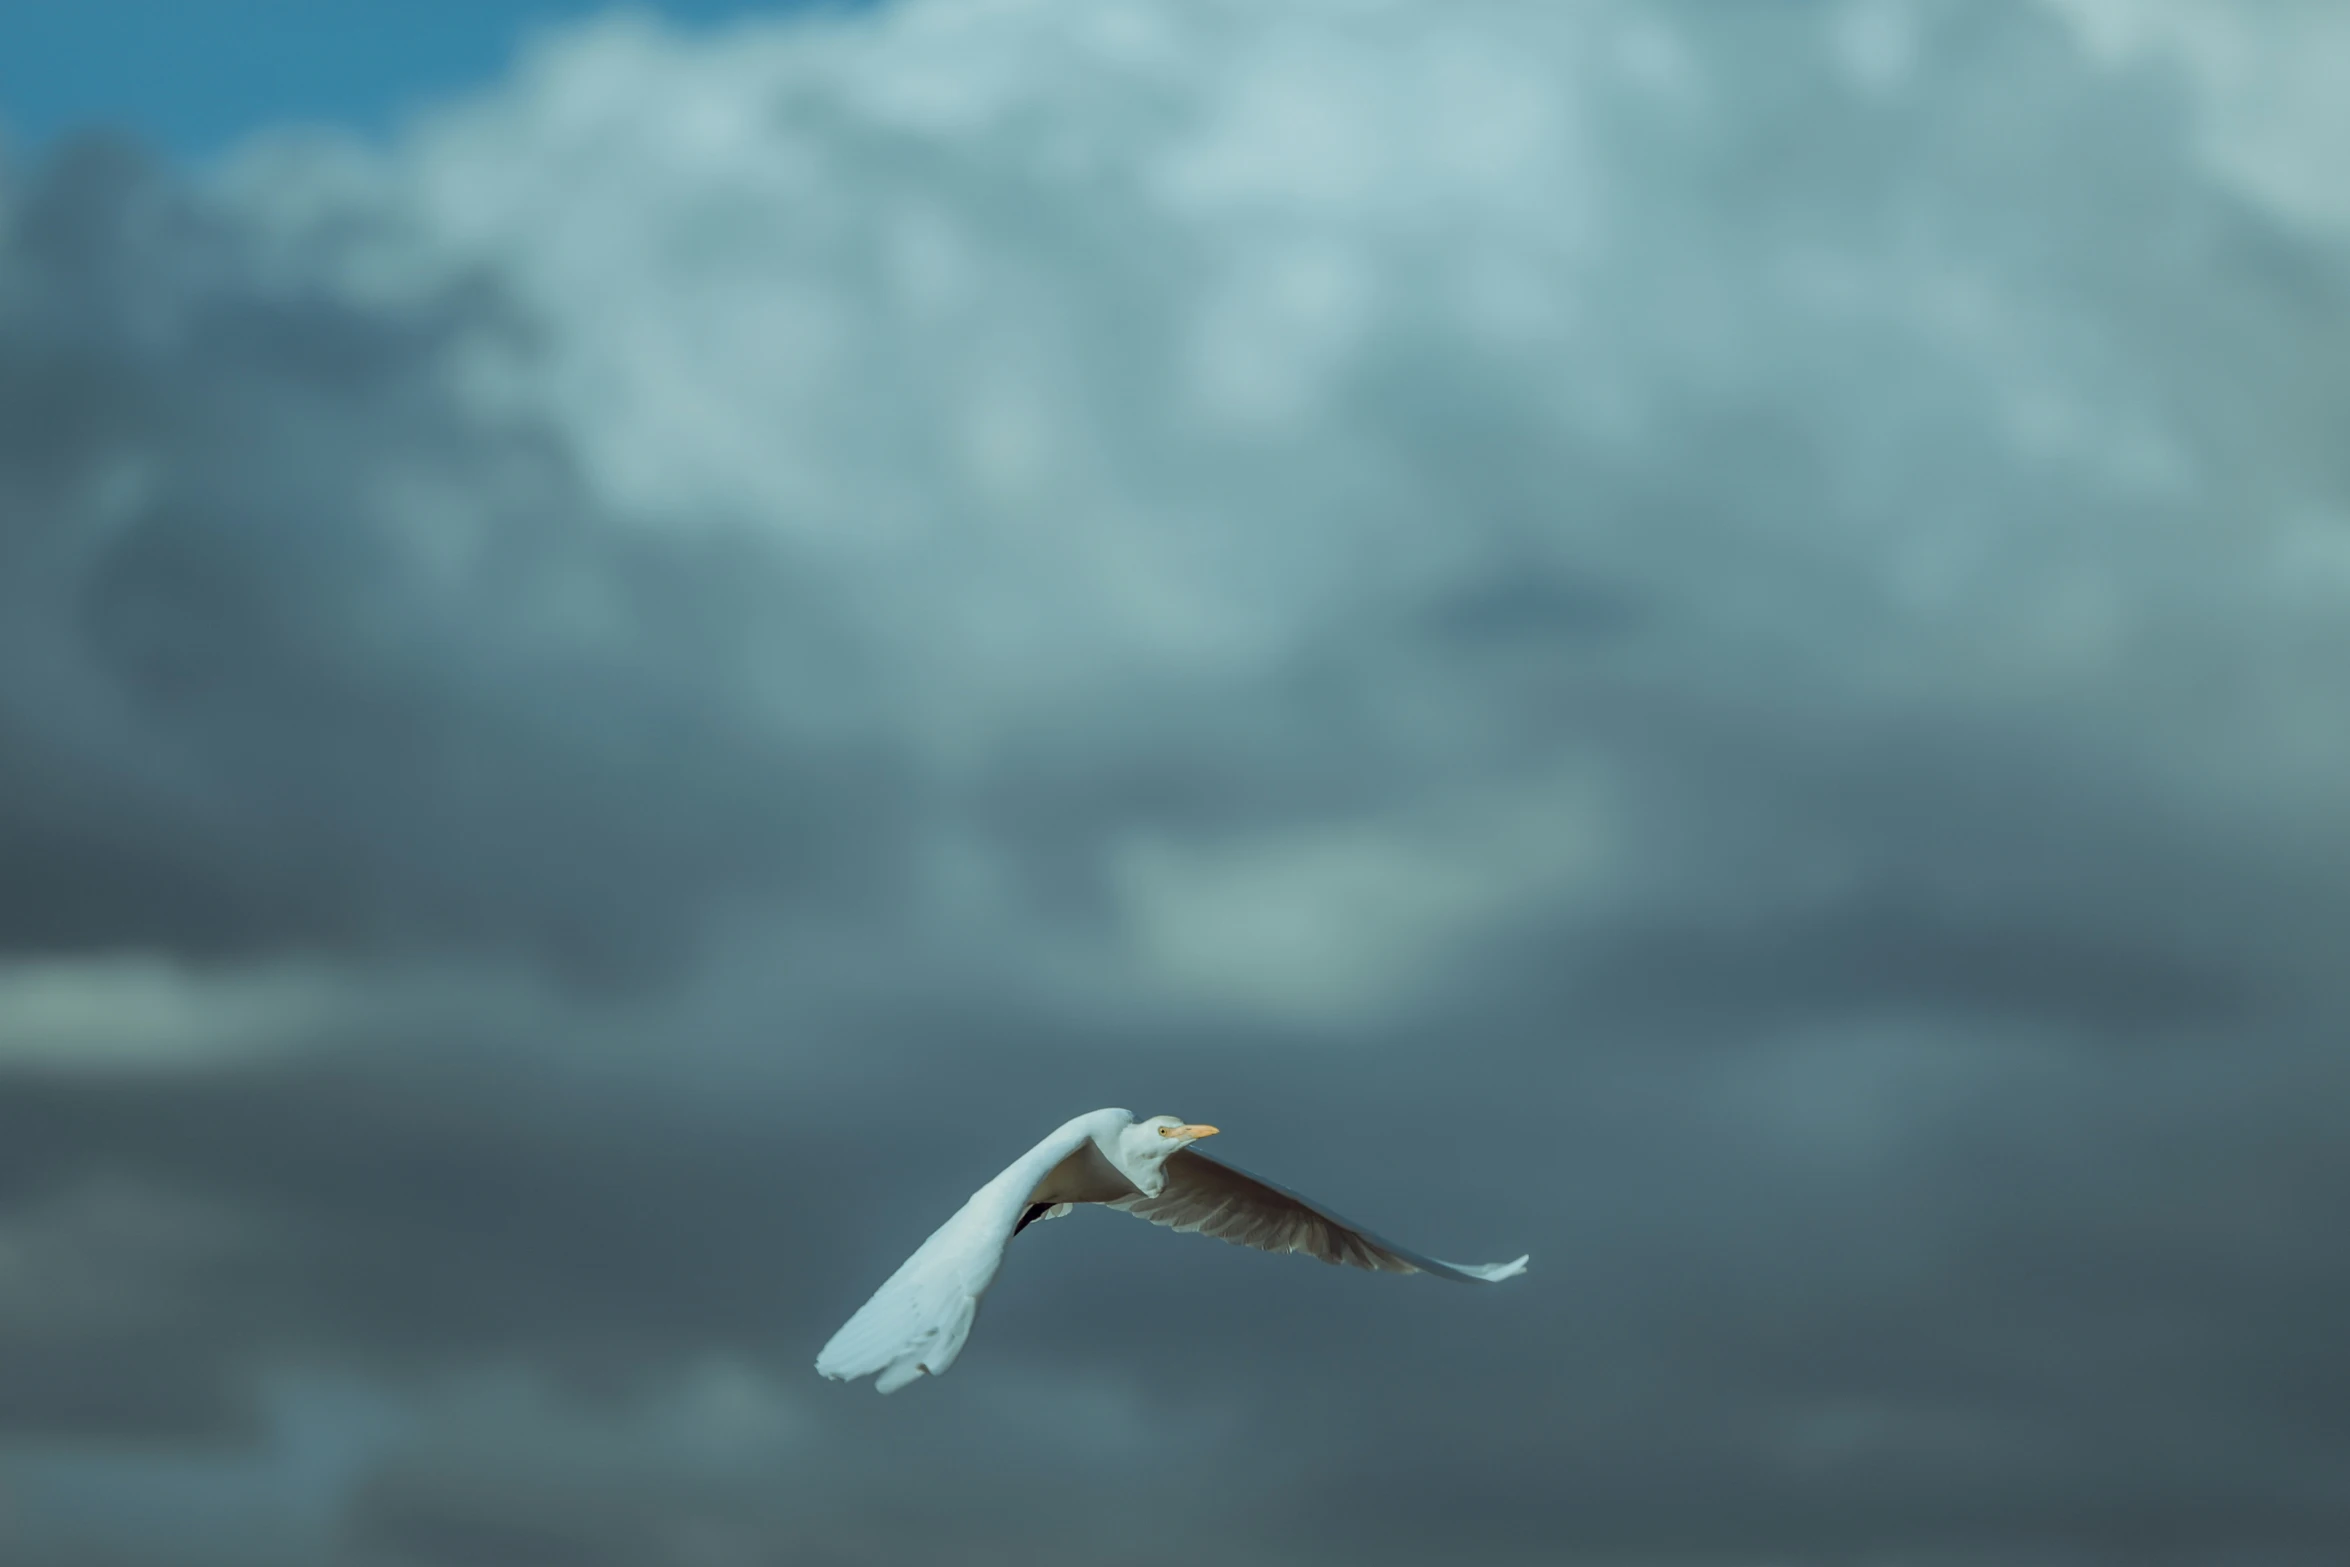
(917, 1321)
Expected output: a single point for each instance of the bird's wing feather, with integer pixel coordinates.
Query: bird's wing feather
(917, 1321)
(1210, 1197)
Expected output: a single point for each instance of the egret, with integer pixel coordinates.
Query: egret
(916, 1323)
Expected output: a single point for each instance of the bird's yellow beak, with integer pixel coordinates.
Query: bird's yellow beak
(1190, 1134)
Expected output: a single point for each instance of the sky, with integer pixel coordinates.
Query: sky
(193, 77)
(1706, 641)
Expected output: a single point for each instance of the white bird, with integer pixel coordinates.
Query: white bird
(917, 1321)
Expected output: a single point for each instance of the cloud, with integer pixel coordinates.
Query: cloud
(136, 1014)
(1703, 640)
(302, 655)
(2266, 93)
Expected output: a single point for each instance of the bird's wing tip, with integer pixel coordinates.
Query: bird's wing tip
(1475, 1272)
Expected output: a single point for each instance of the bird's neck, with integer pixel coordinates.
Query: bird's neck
(1147, 1171)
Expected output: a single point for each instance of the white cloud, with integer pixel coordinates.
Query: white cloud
(2270, 83)
(145, 1014)
(1336, 923)
(1093, 357)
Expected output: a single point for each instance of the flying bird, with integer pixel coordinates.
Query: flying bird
(916, 1323)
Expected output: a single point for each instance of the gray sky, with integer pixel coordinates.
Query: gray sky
(1705, 640)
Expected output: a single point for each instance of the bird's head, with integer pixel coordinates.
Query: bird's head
(1145, 1147)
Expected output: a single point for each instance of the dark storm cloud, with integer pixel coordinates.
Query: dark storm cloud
(1716, 660)
(302, 653)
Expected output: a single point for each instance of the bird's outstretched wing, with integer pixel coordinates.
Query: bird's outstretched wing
(1209, 1197)
(917, 1321)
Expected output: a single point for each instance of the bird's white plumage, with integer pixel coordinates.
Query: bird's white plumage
(917, 1322)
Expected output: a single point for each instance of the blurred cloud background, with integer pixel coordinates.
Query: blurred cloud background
(1708, 639)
